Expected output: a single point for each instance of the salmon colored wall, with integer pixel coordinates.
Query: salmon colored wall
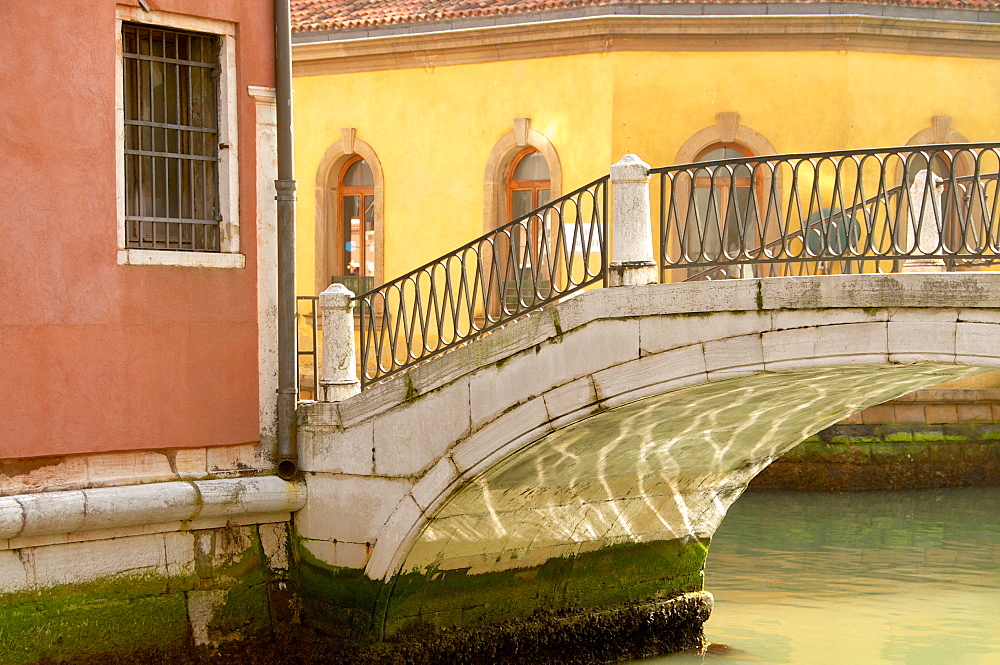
(96, 356)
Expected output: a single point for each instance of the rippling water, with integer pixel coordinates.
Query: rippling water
(865, 578)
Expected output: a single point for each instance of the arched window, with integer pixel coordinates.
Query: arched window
(529, 185)
(724, 207)
(705, 205)
(954, 168)
(354, 245)
(521, 157)
(349, 185)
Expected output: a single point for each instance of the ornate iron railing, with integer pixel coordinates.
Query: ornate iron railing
(838, 212)
(516, 269)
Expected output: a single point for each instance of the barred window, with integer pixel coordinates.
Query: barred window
(171, 101)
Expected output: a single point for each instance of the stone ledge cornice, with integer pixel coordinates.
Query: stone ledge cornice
(64, 512)
(603, 34)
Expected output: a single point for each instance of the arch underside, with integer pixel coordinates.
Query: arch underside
(620, 507)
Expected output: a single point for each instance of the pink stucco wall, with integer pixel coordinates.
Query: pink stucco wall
(96, 356)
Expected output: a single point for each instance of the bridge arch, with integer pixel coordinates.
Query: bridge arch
(529, 494)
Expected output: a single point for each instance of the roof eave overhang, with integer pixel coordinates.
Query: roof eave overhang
(928, 34)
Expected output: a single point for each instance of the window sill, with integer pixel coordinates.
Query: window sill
(155, 257)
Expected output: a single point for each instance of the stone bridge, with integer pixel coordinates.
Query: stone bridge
(578, 461)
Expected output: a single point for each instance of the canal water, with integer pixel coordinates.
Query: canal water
(864, 578)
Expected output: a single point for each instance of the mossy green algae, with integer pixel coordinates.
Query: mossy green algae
(117, 615)
(346, 602)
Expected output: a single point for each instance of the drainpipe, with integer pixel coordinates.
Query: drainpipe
(285, 186)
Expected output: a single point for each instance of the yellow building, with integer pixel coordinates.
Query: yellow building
(442, 105)
(421, 126)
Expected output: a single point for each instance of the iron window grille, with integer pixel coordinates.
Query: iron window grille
(171, 139)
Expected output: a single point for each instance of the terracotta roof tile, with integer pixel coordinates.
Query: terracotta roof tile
(311, 15)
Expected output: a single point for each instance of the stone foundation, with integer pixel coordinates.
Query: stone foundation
(170, 568)
(849, 458)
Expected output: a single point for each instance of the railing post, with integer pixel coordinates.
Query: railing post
(338, 376)
(924, 218)
(632, 257)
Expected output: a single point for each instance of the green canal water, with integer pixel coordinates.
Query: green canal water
(864, 578)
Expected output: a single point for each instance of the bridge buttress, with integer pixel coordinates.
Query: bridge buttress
(499, 480)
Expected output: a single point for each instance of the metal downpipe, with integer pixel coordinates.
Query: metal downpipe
(285, 186)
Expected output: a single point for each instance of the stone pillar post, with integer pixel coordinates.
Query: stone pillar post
(925, 214)
(338, 374)
(632, 257)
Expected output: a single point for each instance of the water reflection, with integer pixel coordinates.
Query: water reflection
(872, 578)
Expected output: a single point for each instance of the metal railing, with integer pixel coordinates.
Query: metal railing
(837, 212)
(840, 212)
(516, 269)
(307, 346)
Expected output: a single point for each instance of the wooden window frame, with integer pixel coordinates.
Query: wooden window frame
(340, 239)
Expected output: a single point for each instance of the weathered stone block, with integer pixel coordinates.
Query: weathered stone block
(850, 343)
(911, 340)
(374, 400)
(318, 414)
(513, 429)
(412, 437)
(233, 460)
(16, 572)
(650, 374)
(434, 482)
(274, 540)
(486, 350)
(979, 315)
(339, 554)
(351, 508)
(78, 563)
(882, 413)
(248, 496)
(387, 552)
(733, 356)
(59, 474)
(329, 450)
(571, 401)
(128, 468)
(923, 315)
(941, 413)
(977, 343)
(662, 333)
(179, 553)
(11, 518)
(737, 295)
(576, 354)
(201, 607)
(787, 319)
(910, 413)
(190, 463)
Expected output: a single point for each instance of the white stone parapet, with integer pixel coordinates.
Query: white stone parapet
(632, 259)
(338, 374)
(925, 222)
(51, 513)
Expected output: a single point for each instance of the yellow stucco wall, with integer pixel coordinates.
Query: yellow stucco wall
(433, 128)
(801, 101)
